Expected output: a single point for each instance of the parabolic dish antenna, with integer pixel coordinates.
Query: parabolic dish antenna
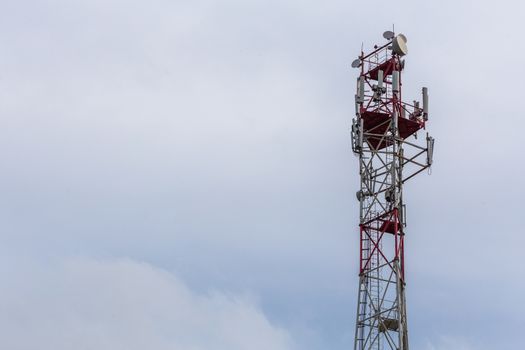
(399, 45)
(388, 35)
(356, 63)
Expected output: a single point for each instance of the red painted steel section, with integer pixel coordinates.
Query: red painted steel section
(389, 225)
(387, 67)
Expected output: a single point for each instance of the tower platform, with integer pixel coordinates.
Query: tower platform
(378, 123)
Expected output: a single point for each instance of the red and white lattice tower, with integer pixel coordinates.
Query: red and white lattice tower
(385, 137)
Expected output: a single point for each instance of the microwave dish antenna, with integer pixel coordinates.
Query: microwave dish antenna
(388, 35)
(399, 45)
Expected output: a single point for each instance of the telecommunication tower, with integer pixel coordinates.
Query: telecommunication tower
(385, 137)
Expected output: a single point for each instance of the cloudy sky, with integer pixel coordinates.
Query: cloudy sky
(178, 174)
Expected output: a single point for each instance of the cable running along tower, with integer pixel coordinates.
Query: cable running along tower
(385, 137)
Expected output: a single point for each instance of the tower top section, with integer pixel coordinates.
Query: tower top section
(379, 91)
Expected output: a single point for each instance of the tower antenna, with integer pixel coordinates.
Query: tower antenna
(380, 130)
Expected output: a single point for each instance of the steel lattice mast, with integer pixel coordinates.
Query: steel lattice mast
(387, 159)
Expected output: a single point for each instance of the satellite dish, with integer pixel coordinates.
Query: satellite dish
(388, 35)
(356, 63)
(399, 45)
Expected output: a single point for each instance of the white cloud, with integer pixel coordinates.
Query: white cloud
(88, 304)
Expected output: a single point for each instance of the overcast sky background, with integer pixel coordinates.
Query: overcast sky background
(178, 175)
